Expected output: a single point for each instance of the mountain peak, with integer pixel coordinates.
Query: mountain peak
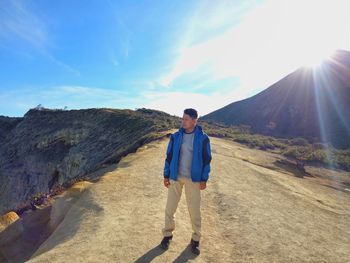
(313, 103)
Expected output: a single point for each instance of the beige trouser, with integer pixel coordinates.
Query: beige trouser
(193, 199)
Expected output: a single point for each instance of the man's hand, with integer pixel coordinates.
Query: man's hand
(202, 185)
(166, 182)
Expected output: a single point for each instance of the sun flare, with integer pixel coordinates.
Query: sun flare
(315, 58)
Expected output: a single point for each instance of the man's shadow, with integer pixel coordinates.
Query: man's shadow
(185, 255)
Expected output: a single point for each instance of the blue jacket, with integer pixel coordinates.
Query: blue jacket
(200, 159)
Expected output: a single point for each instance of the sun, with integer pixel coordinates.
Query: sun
(314, 58)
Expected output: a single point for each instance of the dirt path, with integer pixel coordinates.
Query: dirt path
(252, 211)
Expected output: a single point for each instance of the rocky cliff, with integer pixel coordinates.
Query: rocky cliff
(48, 149)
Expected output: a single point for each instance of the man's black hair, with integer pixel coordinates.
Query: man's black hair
(192, 112)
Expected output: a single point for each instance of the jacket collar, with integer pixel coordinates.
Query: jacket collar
(197, 129)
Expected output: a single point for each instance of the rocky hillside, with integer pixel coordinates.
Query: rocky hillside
(7, 124)
(309, 103)
(253, 210)
(47, 149)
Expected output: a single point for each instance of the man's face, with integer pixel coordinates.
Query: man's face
(188, 122)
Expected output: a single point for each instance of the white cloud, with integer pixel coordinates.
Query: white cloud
(175, 102)
(23, 29)
(197, 45)
(271, 41)
(84, 97)
(17, 21)
(20, 101)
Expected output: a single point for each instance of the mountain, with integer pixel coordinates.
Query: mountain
(50, 149)
(313, 103)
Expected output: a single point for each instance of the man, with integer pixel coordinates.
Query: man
(187, 164)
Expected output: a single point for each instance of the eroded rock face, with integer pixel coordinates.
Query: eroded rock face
(47, 147)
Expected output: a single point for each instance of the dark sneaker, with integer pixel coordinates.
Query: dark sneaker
(165, 242)
(194, 247)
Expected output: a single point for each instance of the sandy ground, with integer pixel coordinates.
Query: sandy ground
(252, 211)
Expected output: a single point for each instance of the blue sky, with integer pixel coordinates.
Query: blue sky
(165, 55)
